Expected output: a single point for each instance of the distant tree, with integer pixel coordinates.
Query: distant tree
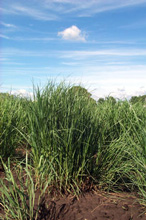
(136, 99)
(101, 100)
(81, 91)
(110, 99)
(4, 95)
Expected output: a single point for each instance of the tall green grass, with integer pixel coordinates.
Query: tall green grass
(22, 191)
(100, 141)
(64, 124)
(80, 140)
(12, 122)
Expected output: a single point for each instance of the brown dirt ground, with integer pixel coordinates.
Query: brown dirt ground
(92, 205)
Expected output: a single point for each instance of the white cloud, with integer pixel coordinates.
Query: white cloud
(37, 14)
(106, 5)
(117, 81)
(34, 39)
(3, 59)
(70, 63)
(116, 92)
(4, 36)
(29, 11)
(72, 33)
(75, 54)
(21, 93)
(119, 88)
(125, 92)
(87, 8)
(118, 52)
(52, 9)
(8, 25)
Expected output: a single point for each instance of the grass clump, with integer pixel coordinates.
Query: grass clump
(63, 125)
(12, 121)
(74, 140)
(22, 190)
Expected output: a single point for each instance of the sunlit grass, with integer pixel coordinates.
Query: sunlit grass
(74, 141)
(12, 121)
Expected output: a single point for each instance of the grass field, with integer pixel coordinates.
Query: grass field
(68, 142)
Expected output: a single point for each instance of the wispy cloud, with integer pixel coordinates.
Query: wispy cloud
(34, 39)
(29, 11)
(70, 63)
(3, 59)
(51, 9)
(29, 53)
(120, 52)
(8, 25)
(22, 38)
(119, 81)
(6, 11)
(21, 92)
(5, 62)
(108, 5)
(87, 8)
(4, 36)
(35, 13)
(116, 42)
(135, 25)
(72, 33)
(55, 8)
(117, 92)
(75, 55)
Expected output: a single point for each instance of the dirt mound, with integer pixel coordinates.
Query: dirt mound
(93, 206)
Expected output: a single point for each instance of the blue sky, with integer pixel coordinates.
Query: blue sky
(100, 44)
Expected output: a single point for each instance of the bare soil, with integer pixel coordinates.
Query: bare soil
(92, 205)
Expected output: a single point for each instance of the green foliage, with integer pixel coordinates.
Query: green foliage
(136, 99)
(23, 194)
(101, 100)
(108, 99)
(62, 124)
(80, 91)
(12, 120)
(78, 139)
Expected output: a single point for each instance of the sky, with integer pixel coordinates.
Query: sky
(99, 44)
